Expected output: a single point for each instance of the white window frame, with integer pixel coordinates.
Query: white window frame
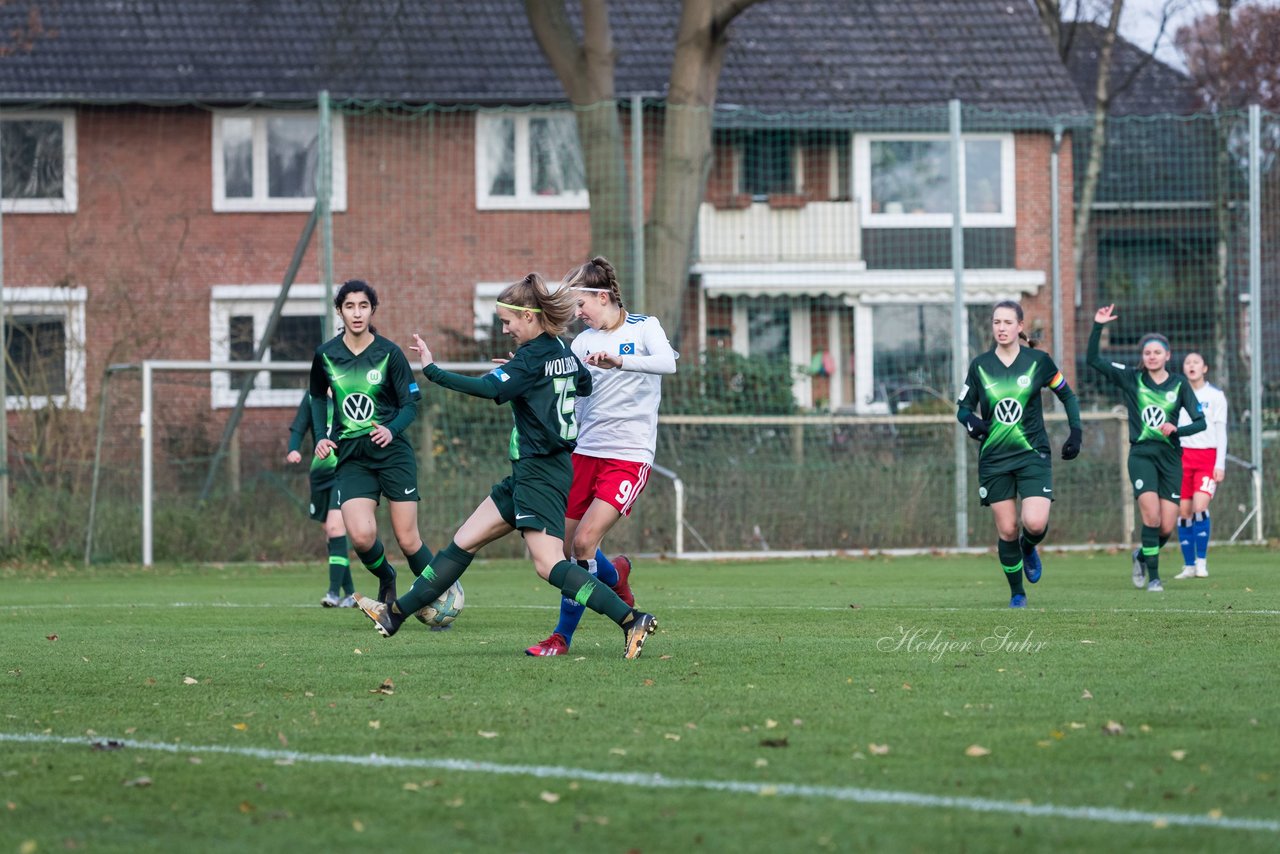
(70, 187)
(524, 198)
(801, 344)
(261, 202)
(69, 304)
(1006, 218)
(482, 304)
(228, 301)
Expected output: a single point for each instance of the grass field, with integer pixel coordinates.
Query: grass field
(866, 704)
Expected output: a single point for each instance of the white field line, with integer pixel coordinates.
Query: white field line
(1221, 612)
(1108, 815)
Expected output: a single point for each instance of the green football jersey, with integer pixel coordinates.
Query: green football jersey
(1148, 403)
(1008, 397)
(321, 469)
(542, 382)
(376, 387)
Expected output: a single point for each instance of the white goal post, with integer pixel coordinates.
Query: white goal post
(149, 369)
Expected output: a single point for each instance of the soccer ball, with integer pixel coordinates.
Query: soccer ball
(444, 610)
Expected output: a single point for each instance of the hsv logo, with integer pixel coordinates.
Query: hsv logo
(357, 407)
(1008, 411)
(1153, 417)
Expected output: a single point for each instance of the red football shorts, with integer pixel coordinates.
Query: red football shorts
(1197, 472)
(616, 482)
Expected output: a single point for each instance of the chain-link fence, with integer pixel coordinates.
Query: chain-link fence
(816, 279)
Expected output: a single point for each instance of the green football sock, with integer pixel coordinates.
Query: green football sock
(348, 583)
(375, 560)
(446, 567)
(419, 560)
(339, 564)
(1151, 551)
(1029, 540)
(582, 587)
(1010, 554)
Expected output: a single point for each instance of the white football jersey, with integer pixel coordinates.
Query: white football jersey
(1213, 403)
(619, 419)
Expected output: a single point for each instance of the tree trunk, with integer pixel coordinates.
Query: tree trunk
(1097, 144)
(586, 71)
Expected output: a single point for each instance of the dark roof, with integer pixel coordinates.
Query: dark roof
(1141, 84)
(785, 55)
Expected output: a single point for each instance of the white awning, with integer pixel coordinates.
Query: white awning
(855, 284)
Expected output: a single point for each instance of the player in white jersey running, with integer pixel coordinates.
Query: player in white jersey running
(1204, 465)
(627, 355)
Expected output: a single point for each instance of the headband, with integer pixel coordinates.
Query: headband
(593, 290)
(1159, 339)
(502, 304)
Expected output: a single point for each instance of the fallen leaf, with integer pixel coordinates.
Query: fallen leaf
(1215, 814)
(486, 734)
(282, 738)
(246, 807)
(1057, 734)
(375, 724)
(690, 725)
(976, 750)
(358, 651)
(1076, 725)
(387, 687)
(1044, 743)
(664, 658)
(357, 825)
(187, 680)
(1144, 728)
(1112, 728)
(617, 751)
(138, 782)
(1086, 641)
(240, 726)
(194, 760)
(130, 730)
(671, 736)
(51, 637)
(770, 723)
(28, 846)
(455, 802)
(774, 742)
(768, 791)
(570, 711)
(906, 686)
(550, 797)
(648, 683)
(878, 749)
(1086, 695)
(1160, 823)
(762, 762)
(1178, 755)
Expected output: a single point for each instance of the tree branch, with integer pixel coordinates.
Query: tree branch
(550, 25)
(724, 11)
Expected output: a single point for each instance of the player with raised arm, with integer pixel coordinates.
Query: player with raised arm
(627, 354)
(1000, 407)
(1204, 465)
(1152, 397)
(541, 382)
(324, 507)
(375, 399)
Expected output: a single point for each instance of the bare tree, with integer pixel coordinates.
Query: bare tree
(586, 70)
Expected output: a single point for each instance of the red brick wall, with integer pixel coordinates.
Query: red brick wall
(1034, 244)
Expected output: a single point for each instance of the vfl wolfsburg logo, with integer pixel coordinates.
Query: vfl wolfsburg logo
(1153, 416)
(1008, 411)
(373, 377)
(357, 407)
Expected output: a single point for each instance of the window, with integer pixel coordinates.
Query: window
(529, 161)
(905, 181)
(44, 347)
(39, 162)
(487, 325)
(912, 351)
(776, 328)
(267, 161)
(238, 318)
(768, 163)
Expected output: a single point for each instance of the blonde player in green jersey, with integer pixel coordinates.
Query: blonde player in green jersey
(375, 399)
(1152, 397)
(541, 381)
(1000, 407)
(325, 507)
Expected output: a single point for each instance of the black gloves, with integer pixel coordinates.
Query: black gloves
(1071, 447)
(978, 429)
